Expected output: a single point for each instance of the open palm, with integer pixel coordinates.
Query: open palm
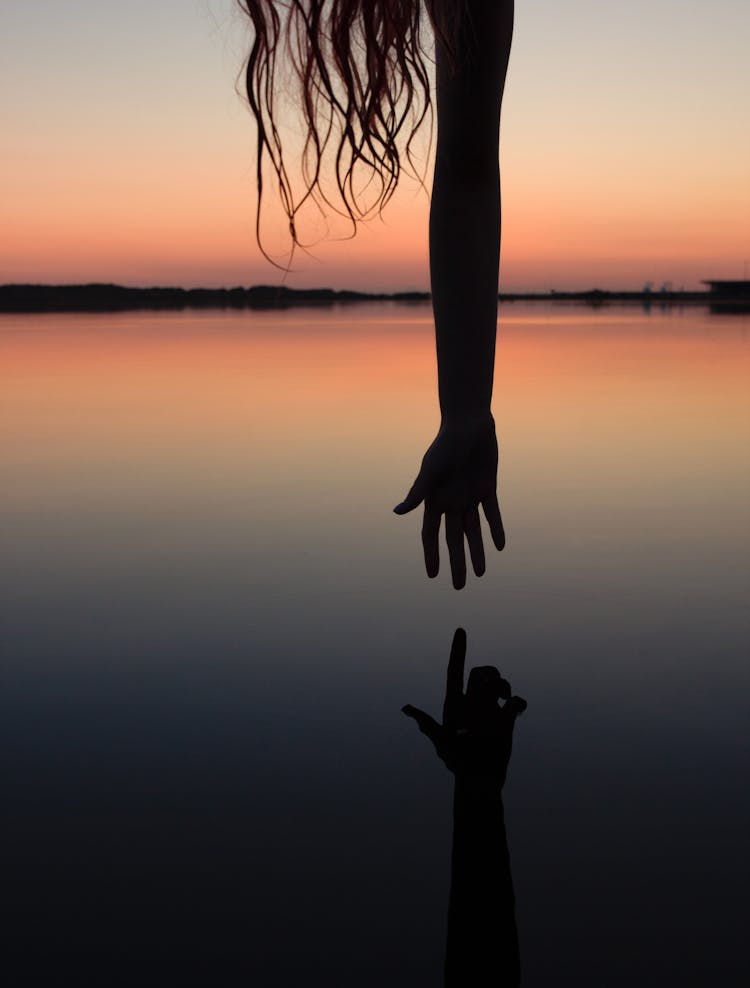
(458, 473)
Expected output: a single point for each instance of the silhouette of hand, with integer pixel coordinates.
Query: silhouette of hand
(458, 473)
(476, 736)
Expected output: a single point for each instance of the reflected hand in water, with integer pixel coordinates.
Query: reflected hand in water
(474, 740)
(476, 735)
(458, 473)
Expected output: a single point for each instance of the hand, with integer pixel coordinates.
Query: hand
(476, 736)
(458, 473)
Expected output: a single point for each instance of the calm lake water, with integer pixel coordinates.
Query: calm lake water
(212, 619)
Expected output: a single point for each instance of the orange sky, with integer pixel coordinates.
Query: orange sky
(623, 156)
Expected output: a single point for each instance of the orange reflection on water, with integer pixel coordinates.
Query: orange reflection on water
(190, 397)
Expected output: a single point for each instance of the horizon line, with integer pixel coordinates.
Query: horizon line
(110, 297)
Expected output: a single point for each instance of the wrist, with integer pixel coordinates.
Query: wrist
(477, 799)
(467, 423)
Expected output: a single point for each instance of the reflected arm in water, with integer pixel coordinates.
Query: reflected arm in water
(458, 472)
(475, 740)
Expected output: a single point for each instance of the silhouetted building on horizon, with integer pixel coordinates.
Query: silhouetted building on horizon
(723, 289)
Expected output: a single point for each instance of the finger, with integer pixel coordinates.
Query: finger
(456, 661)
(473, 532)
(514, 707)
(426, 724)
(430, 539)
(494, 520)
(454, 683)
(454, 536)
(415, 496)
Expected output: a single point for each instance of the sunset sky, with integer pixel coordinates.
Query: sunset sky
(127, 155)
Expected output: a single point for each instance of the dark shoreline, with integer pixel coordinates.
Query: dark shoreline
(118, 298)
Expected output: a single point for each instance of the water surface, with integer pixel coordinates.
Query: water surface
(212, 619)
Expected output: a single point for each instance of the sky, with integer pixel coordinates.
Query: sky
(127, 152)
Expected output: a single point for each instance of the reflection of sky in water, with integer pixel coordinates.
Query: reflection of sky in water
(213, 619)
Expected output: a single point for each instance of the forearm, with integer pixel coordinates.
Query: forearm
(480, 850)
(482, 942)
(465, 212)
(464, 259)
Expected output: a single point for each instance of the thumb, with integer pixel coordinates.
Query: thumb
(414, 498)
(426, 724)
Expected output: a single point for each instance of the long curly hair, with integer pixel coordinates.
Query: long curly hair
(360, 80)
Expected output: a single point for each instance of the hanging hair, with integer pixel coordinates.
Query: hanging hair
(361, 84)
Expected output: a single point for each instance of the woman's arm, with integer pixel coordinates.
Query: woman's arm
(459, 470)
(465, 211)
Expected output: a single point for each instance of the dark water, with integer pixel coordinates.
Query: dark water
(212, 619)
